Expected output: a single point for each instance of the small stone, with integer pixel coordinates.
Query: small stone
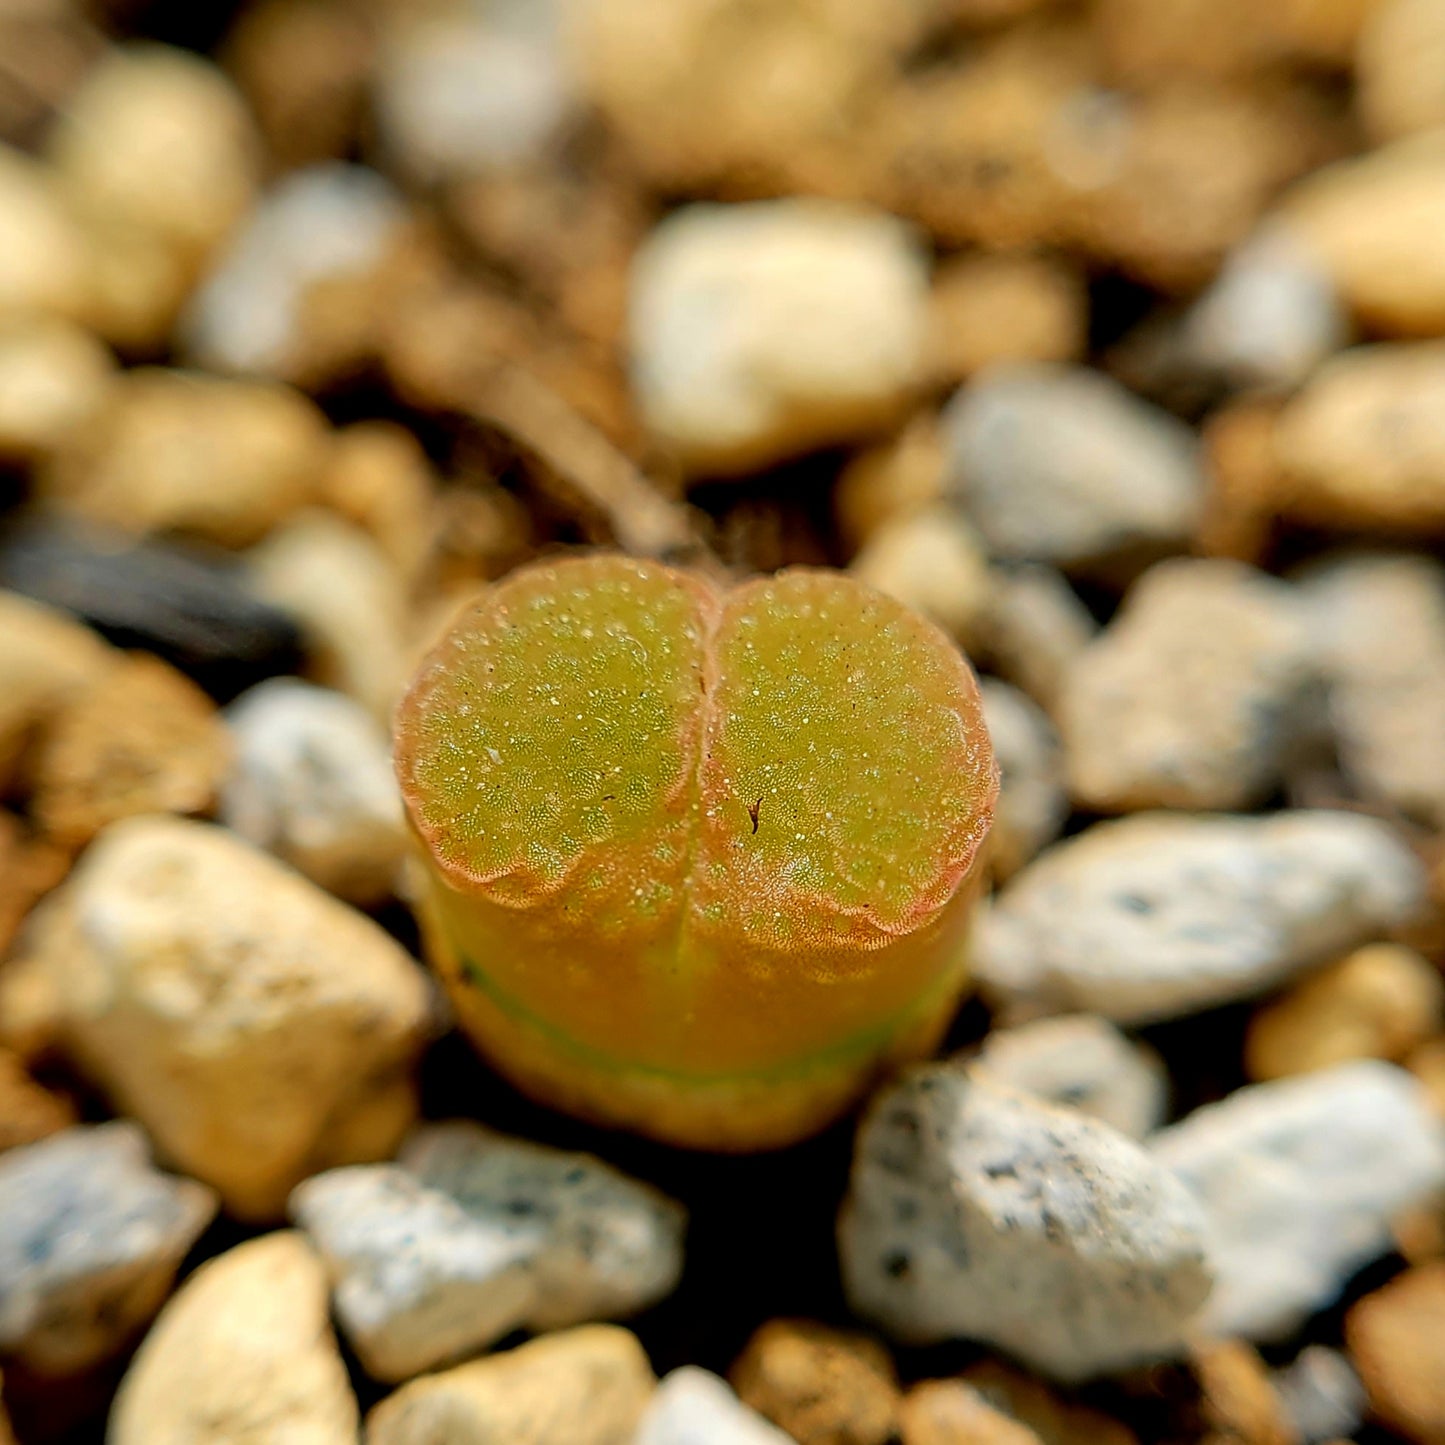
(695, 1407)
(1396, 1339)
(54, 378)
(326, 222)
(29, 868)
(950, 1412)
(28, 1112)
(312, 782)
(243, 1352)
(764, 330)
(142, 739)
(1238, 1399)
(1055, 1421)
(474, 1235)
(1159, 914)
(1363, 445)
(46, 659)
(92, 1241)
(1060, 464)
(1398, 64)
(1036, 628)
(882, 483)
(1032, 804)
(45, 256)
(1427, 1063)
(1242, 480)
(260, 448)
(822, 1386)
(348, 601)
(1080, 1062)
(1379, 622)
(1192, 696)
(584, 1386)
(988, 309)
(157, 140)
(1299, 1180)
(930, 560)
(1321, 1394)
(975, 1211)
(260, 1030)
(1378, 1002)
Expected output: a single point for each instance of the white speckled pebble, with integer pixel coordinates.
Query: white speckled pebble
(695, 1407)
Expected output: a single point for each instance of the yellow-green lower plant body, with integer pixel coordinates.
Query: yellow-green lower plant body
(699, 862)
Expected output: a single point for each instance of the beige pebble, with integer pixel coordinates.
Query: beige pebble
(952, 1412)
(1241, 480)
(1396, 1340)
(29, 868)
(886, 480)
(28, 1111)
(139, 283)
(260, 1030)
(583, 1386)
(258, 447)
(244, 1352)
(1035, 629)
(1363, 444)
(45, 257)
(143, 739)
(1010, 307)
(1188, 697)
(823, 1386)
(54, 377)
(1238, 1400)
(1378, 1002)
(1398, 64)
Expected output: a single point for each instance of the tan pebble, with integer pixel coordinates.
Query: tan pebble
(243, 1353)
(1035, 630)
(1419, 1233)
(1379, 1002)
(823, 1386)
(1053, 1420)
(1398, 64)
(996, 308)
(259, 447)
(138, 283)
(950, 1412)
(259, 1029)
(887, 480)
(1363, 444)
(54, 377)
(45, 257)
(380, 478)
(1427, 1063)
(1242, 480)
(1396, 1340)
(29, 868)
(144, 739)
(1239, 1402)
(584, 1386)
(28, 1111)
(46, 658)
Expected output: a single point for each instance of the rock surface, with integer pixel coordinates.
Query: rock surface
(243, 1352)
(312, 782)
(473, 1235)
(764, 330)
(1396, 1338)
(1191, 697)
(260, 1030)
(586, 1386)
(1299, 1180)
(1032, 804)
(1161, 914)
(92, 1240)
(975, 1211)
(695, 1407)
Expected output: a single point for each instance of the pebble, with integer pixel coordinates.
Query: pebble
(1237, 1397)
(1379, 623)
(979, 1212)
(1060, 464)
(1363, 444)
(260, 1030)
(1082, 1062)
(1036, 628)
(142, 739)
(327, 222)
(695, 1407)
(1032, 804)
(992, 308)
(881, 483)
(348, 601)
(93, 1238)
(951, 1412)
(931, 561)
(1157, 915)
(584, 1386)
(45, 256)
(261, 448)
(1396, 1339)
(1321, 1394)
(28, 1112)
(1379, 1002)
(820, 1385)
(473, 1235)
(243, 1352)
(763, 330)
(185, 606)
(1299, 1180)
(312, 782)
(1192, 696)
(1055, 1420)
(1398, 64)
(54, 378)
(29, 868)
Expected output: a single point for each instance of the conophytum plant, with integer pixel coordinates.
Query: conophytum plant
(699, 860)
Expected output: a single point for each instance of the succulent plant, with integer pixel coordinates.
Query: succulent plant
(699, 860)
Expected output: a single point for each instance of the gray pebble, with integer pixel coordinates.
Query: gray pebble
(1032, 804)
(1321, 1394)
(695, 1407)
